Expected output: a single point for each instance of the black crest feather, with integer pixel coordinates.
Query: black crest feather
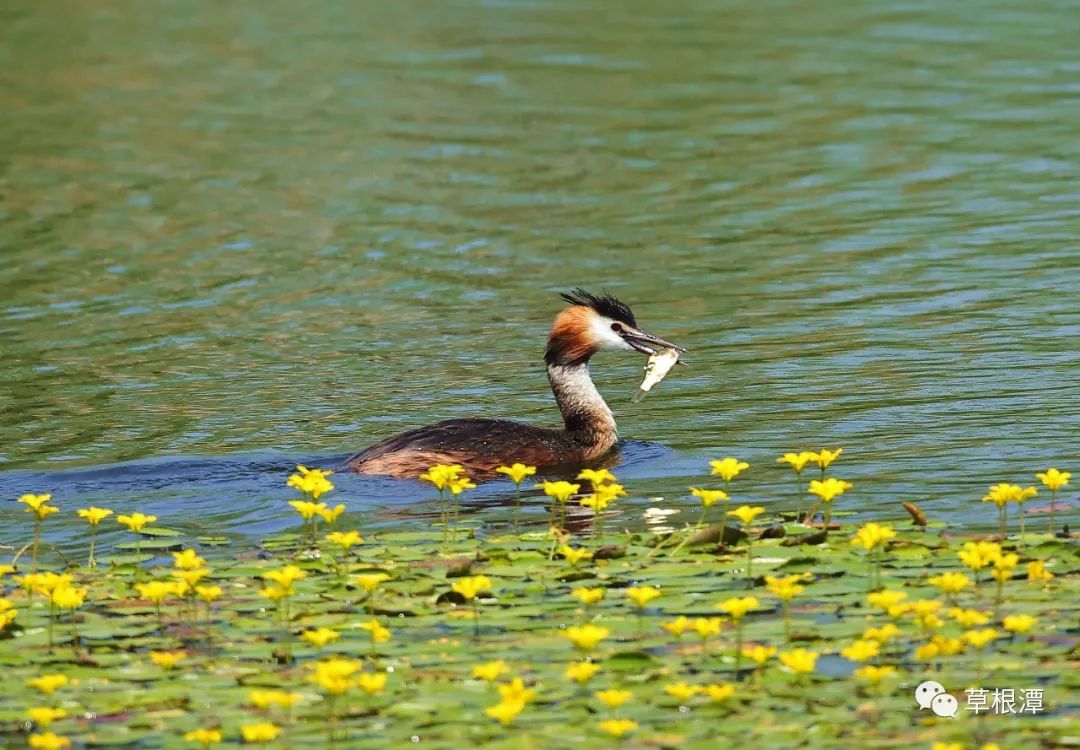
(605, 305)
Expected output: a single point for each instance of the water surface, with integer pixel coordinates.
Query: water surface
(234, 237)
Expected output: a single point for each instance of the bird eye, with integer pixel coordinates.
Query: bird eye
(617, 327)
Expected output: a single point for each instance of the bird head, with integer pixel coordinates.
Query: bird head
(592, 324)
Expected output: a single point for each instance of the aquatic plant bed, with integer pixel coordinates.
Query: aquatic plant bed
(515, 640)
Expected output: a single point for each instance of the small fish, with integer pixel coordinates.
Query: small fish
(656, 369)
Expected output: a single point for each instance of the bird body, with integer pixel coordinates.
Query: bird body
(590, 324)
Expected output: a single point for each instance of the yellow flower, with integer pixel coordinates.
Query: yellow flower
(208, 593)
(797, 461)
(978, 555)
(706, 626)
(311, 482)
(728, 468)
(440, 475)
(861, 651)
(874, 675)
(746, 514)
(1036, 571)
(596, 477)
(1003, 566)
(613, 698)
(927, 652)
(204, 737)
(873, 535)
(284, 577)
(738, 607)
(678, 626)
(331, 514)
(926, 613)
(585, 637)
(187, 560)
(344, 539)
(379, 633)
(517, 472)
(8, 613)
(759, 654)
(505, 712)
(948, 646)
(681, 690)
(574, 555)
(43, 716)
(1003, 493)
(136, 521)
(799, 660)
(306, 508)
(515, 691)
(370, 581)
(825, 457)
(708, 497)
(319, 637)
(588, 596)
(36, 504)
(335, 676)
(490, 671)
(157, 592)
(947, 746)
(264, 731)
(191, 577)
(1054, 479)
(49, 683)
(784, 588)
(581, 671)
(166, 659)
(968, 618)
(950, 583)
(1024, 495)
(470, 586)
(618, 727)
(829, 489)
(67, 597)
(461, 483)
(1019, 623)
(372, 682)
(560, 491)
(45, 583)
(603, 495)
(93, 515)
(979, 638)
(642, 595)
(887, 599)
(49, 741)
(718, 692)
(33, 502)
(265, 698)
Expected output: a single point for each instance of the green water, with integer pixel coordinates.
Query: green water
(285, 231)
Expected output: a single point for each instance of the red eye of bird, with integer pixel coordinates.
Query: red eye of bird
(616, 327)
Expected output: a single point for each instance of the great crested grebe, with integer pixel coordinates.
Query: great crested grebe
(591, 324)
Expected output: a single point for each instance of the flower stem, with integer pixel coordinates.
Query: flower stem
(90, 563)
(738, 649)
(749, 560)
(33, 554)
(517, 505)
(1053, 501)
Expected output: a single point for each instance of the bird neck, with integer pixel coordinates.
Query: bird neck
(584, 411)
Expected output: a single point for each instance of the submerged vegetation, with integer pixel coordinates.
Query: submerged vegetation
(779, 630)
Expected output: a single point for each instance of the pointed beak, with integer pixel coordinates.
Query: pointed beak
(645, 342)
